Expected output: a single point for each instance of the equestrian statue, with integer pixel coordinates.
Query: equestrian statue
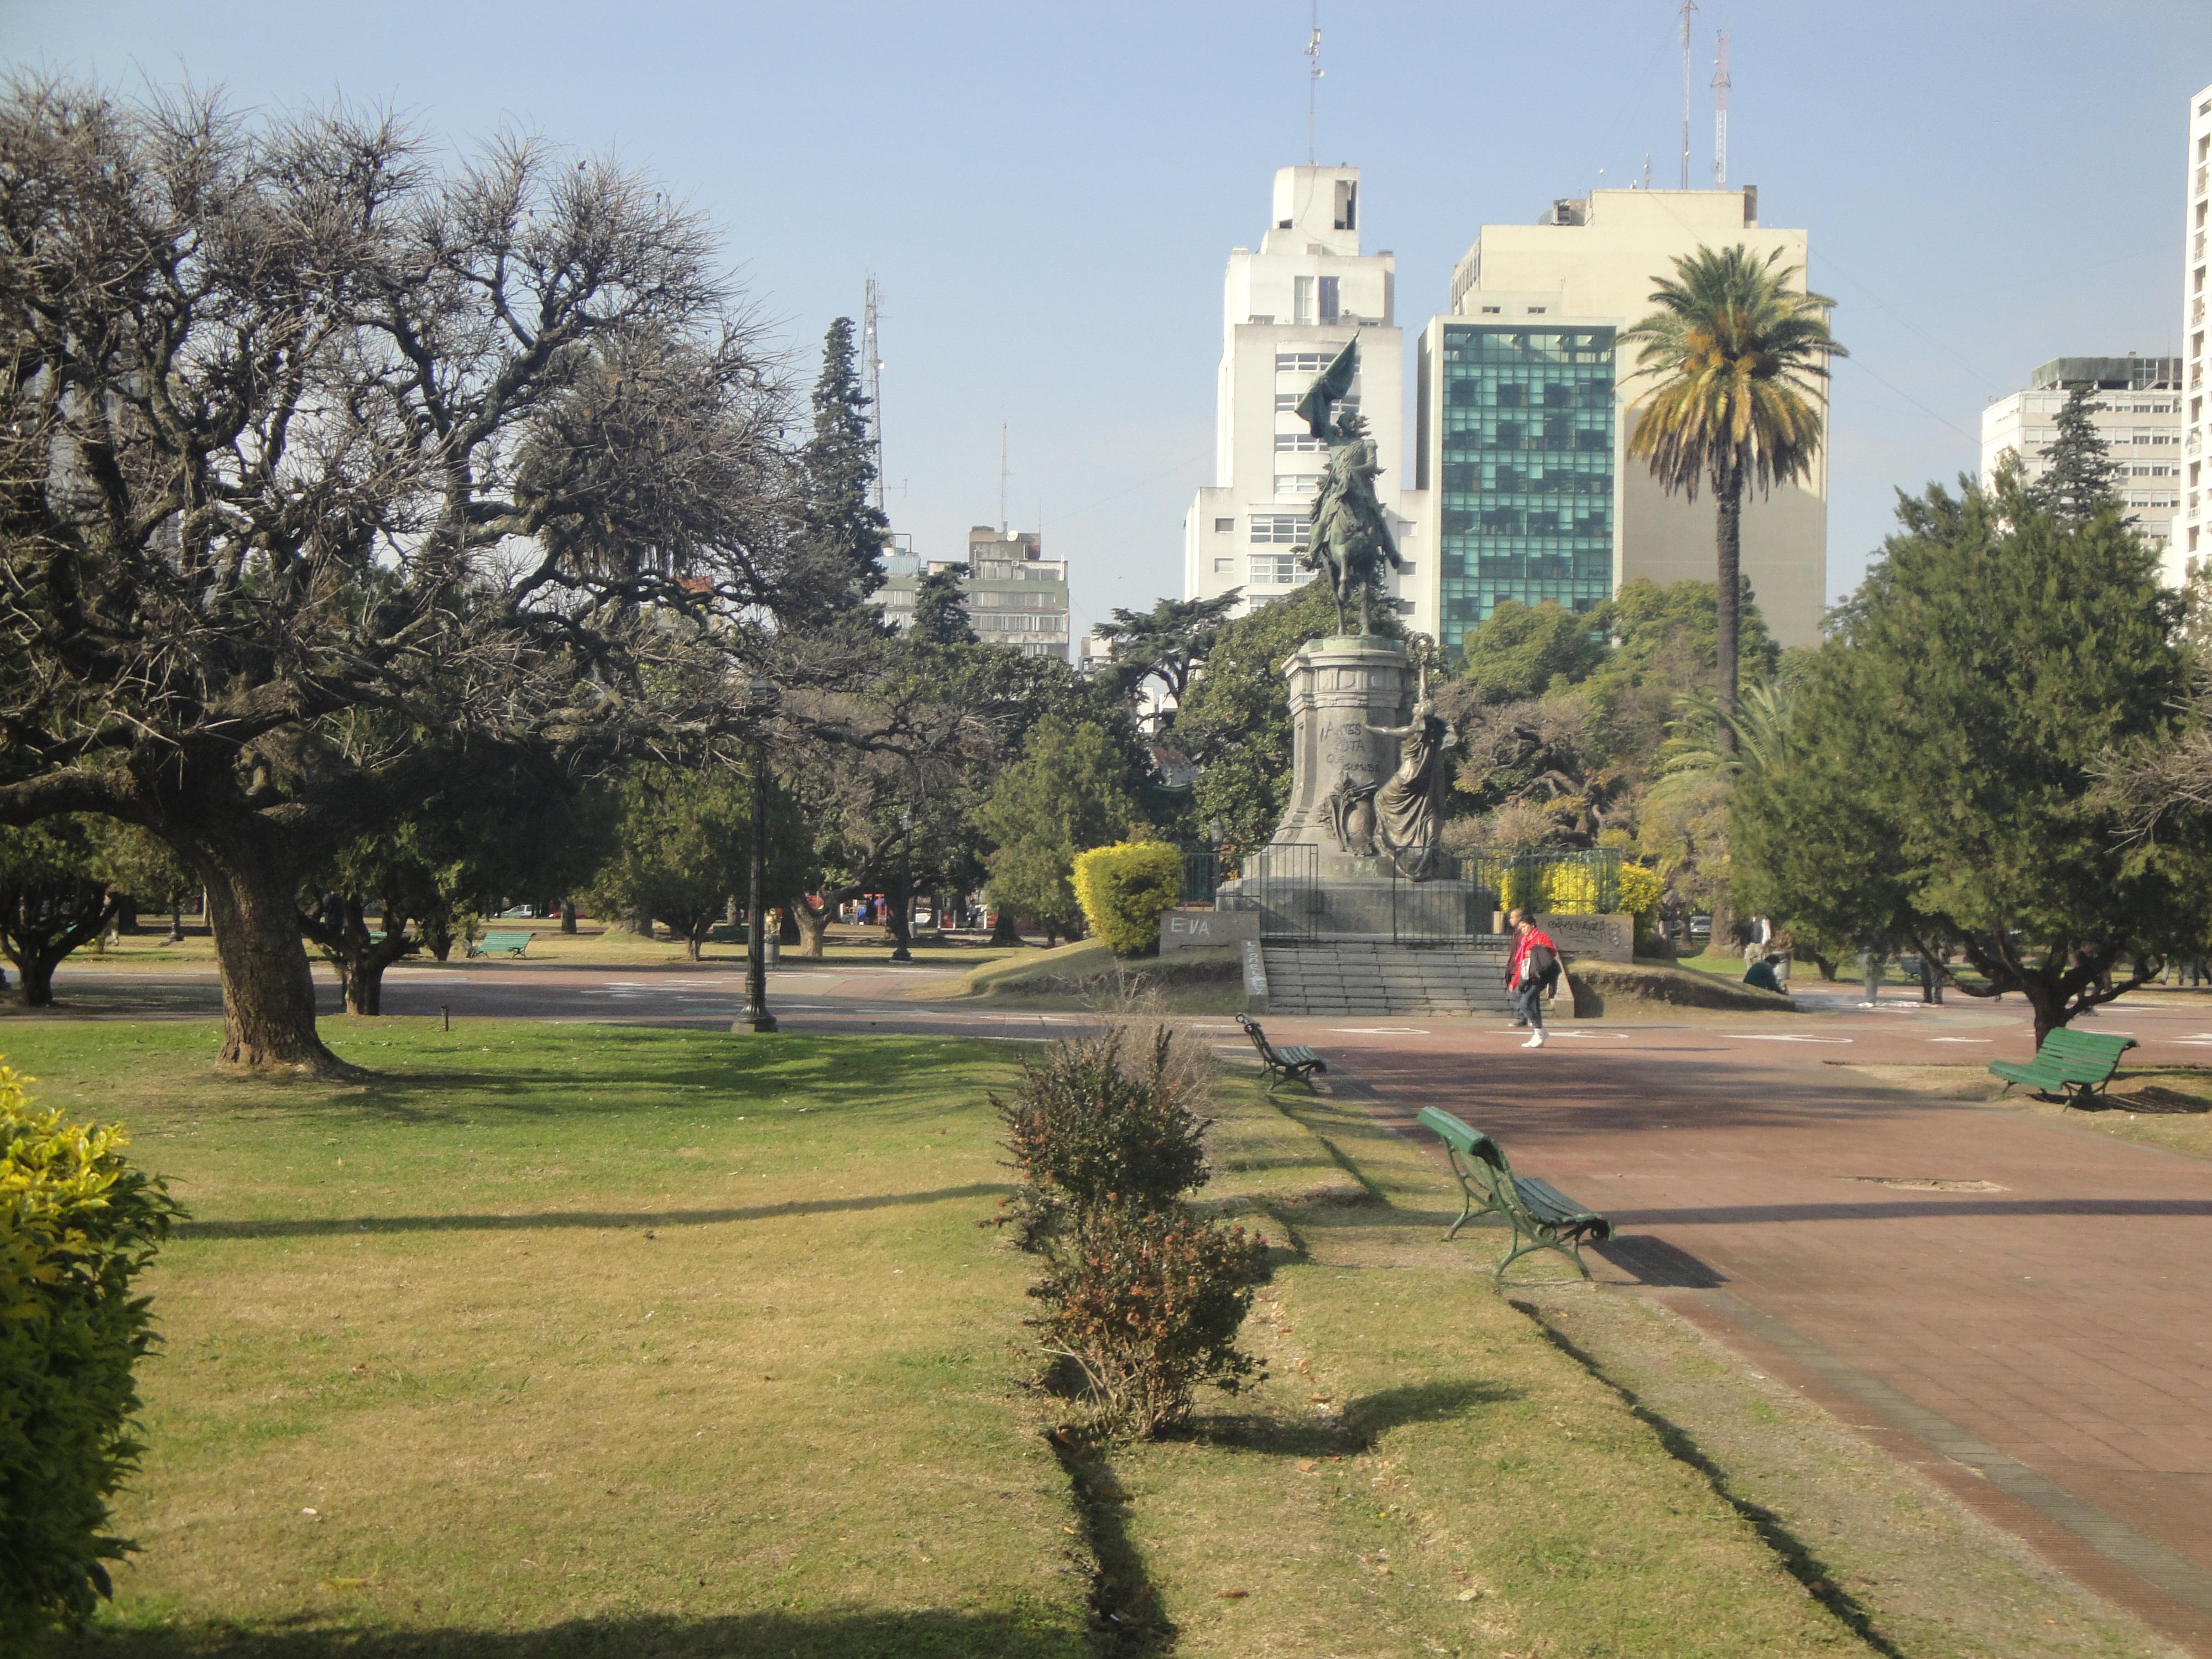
(1348, 536)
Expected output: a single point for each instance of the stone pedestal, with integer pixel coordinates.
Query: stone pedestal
(1306, 881)
(1340, 689)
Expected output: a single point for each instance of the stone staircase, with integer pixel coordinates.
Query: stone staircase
(1375, 976)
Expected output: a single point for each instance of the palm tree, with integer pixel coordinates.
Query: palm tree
(1737, 355)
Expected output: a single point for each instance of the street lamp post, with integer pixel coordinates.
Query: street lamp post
(899, 952)
(763, 697)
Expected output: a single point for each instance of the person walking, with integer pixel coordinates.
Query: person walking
(1534, 969)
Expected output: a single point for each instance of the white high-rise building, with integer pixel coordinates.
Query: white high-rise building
(2190, 544)
(1286, 310)
(2138, 416)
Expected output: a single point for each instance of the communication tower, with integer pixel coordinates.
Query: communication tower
(871, 379)
(1720, 114)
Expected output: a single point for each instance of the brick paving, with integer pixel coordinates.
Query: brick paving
(2044, 1350)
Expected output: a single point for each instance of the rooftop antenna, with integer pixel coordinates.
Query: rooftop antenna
(1647, 169)
(1720, 114)
(1002, 479)
(1688, 6)
(1313, 78)
(872, 381)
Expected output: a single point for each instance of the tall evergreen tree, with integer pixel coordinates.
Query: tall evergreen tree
(2084, 479)
(940, 617)
(1943, 775)
(1169, 643)
(838, 560)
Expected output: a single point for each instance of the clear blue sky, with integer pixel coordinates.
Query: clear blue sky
(1048, 192)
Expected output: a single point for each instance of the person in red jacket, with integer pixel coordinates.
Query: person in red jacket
(1534, 969)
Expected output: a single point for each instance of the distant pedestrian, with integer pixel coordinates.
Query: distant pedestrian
(1533, 971)
(1760, 975)
(1931, 979)
(334, 912)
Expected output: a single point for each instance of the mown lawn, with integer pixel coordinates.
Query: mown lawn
(564, 1340)
(572, 1339)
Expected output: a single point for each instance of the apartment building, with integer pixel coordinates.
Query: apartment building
(1013, 594)
(2138, 415)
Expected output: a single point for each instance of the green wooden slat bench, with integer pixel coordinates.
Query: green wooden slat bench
(2070, 1067)
(1541, 1216)
(1292, 1059)
(497, 941)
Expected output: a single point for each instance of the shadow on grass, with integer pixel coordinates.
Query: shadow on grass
(532, 1221)
(1364, 1420)
(1799, 1556)
(2150, 1100)
(827, 1635)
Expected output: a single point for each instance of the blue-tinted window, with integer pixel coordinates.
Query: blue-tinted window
(1527, 509)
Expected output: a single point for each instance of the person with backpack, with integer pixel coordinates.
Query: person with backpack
(1533, 972)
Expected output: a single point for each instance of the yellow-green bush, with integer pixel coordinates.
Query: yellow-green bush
(1124, 890)
(77, 1224)
(1640, 888)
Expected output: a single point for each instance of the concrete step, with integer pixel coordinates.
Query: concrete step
(1370, 977)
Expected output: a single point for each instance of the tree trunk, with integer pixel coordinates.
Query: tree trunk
(692, 937)
(567, 916)
(787, 927)
(268, 993)
(176, 922)
(898, 916)
(34, 970)
(813, 925)
(1003, 931)
(1728, 538)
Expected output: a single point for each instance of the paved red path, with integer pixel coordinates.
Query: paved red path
(2044, 1349)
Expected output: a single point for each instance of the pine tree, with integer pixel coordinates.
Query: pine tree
(2082, 480)
(939, 616)
(838, 555)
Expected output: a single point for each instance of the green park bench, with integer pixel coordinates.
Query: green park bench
(2070, 1067)
(1541, 1216)
(1292, 1059)
(497, 941)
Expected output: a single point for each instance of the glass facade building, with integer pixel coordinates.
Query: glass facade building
(1517, 444)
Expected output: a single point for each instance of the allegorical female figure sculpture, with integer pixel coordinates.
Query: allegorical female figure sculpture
(1409, 806)
(1347, 537)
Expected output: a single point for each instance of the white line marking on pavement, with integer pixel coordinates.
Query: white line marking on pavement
(1761, 1037)
(1962, 1039)
(1379, 1030)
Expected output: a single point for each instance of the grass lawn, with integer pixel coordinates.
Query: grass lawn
(1085, 974)
(574, 1340)
(592, 943)
(566, 1339)
(2165, 1106)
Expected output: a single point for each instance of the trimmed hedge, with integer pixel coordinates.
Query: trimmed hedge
(1123, 889)
(77, 1224)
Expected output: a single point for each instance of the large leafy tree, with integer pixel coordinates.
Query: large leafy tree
(1067, 793)
(1520, 651)
(1944, 773)
(1169, 643)
(302, 428)
(55, 898)
(1735, 354)
(1236, 720)
(683, 847)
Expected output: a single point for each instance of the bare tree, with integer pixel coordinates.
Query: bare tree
(304, 432)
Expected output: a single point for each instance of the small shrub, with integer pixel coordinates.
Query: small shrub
(1084, 1126)
(1640, 896)
(77, 1224)
(1146, 1304)
(1124, 890)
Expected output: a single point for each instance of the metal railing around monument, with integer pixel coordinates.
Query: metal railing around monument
(1281, 880)
(1580, 881)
